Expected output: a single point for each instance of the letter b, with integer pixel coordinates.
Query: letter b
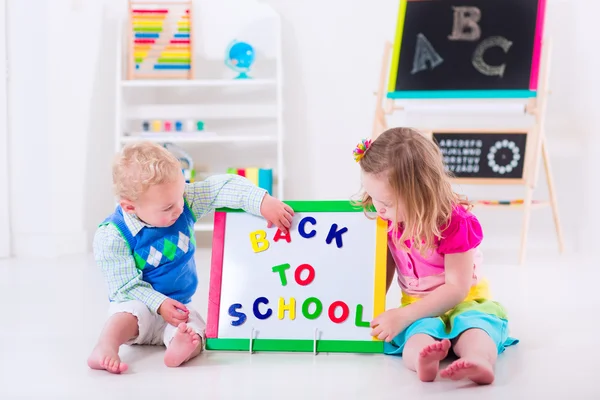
(466, 25)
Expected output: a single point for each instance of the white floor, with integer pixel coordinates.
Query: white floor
(53, 311)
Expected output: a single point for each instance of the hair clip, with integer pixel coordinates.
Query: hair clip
(361, 149)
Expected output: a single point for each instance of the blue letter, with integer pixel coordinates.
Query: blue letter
(241, 317)
(301, 227)
(257, 313)
(333, 232)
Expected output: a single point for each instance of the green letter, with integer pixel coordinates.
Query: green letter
(281, 269)
(359, 316)
(306, 305)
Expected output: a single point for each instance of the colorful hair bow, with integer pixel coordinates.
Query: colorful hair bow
(361, 149)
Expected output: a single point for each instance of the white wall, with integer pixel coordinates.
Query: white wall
(4, 198)
(332, 52)
(53, 52)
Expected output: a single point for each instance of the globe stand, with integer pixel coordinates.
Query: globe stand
(240, 57)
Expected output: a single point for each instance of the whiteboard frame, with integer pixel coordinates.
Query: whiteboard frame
(213, 342)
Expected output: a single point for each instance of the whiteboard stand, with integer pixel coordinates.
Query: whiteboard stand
(536, 143)
(315, 341)
(251, 339)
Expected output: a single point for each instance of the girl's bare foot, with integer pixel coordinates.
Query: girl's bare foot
(429, 359)
(106, 357)
(479, 371)
(185, 345)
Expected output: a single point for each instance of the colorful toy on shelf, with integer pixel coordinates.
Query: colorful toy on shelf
(156, 126)
(261, 177)
(159, 126)
(187, 163)
(239, 57)
(161, 40)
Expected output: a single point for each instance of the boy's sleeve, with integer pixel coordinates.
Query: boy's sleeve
(124, 280)
(227, 190)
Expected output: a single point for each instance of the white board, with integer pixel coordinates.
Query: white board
(345, 274)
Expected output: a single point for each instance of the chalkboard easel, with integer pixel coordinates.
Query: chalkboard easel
(410, 78)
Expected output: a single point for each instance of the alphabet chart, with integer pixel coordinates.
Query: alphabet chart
(315, 288)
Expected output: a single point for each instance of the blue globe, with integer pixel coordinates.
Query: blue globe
(240, 56)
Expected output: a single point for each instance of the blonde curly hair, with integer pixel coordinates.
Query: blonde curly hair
(140, 166)
(413, 165)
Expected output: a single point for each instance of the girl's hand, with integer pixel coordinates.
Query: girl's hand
(389, 324)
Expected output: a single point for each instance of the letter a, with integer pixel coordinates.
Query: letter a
(483, 67)
(466, 25)
(425, 52)
(258, 241)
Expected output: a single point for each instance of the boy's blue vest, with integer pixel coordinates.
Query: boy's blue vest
(164, 255)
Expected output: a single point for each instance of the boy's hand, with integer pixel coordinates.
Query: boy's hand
(276, 213)
(173, 312)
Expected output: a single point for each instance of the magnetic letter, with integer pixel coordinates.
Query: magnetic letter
(466, 25)
(301, 227)
(425, 52)
(291, 308)
(281, 269)
(478, 62)
(345, 312)
(241, 317)
(334, 233)
(281, 235)
(259, 241)
(257, 312)
(309, 278)
(358, 321)
(306, 306)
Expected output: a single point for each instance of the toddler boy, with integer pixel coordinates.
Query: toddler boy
(146, 251)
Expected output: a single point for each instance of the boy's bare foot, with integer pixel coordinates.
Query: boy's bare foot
(479, 371)
(105, 357)
(429, 359)
(185, 345)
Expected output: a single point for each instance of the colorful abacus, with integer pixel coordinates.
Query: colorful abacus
(161, 40)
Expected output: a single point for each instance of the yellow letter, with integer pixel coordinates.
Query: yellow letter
(259, 241)
(291, 308)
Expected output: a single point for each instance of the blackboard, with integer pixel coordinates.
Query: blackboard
(467, 49)
(488, 155)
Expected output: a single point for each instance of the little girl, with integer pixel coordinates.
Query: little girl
(433, 244)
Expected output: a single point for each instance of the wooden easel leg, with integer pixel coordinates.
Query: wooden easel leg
(552, 195)
(527, 205)
(379, 123)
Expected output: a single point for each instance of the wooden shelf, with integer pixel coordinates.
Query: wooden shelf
(148, 83)
(197, 138)
(203, 227)
(534, 206)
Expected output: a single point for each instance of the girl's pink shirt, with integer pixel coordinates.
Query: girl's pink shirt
(419, 275)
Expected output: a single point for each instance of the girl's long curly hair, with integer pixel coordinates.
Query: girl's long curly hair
(414, 168)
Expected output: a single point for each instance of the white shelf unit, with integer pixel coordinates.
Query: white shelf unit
(133, 103)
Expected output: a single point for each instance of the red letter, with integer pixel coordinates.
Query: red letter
(280, 235)
(345, 312)
(309, 278)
